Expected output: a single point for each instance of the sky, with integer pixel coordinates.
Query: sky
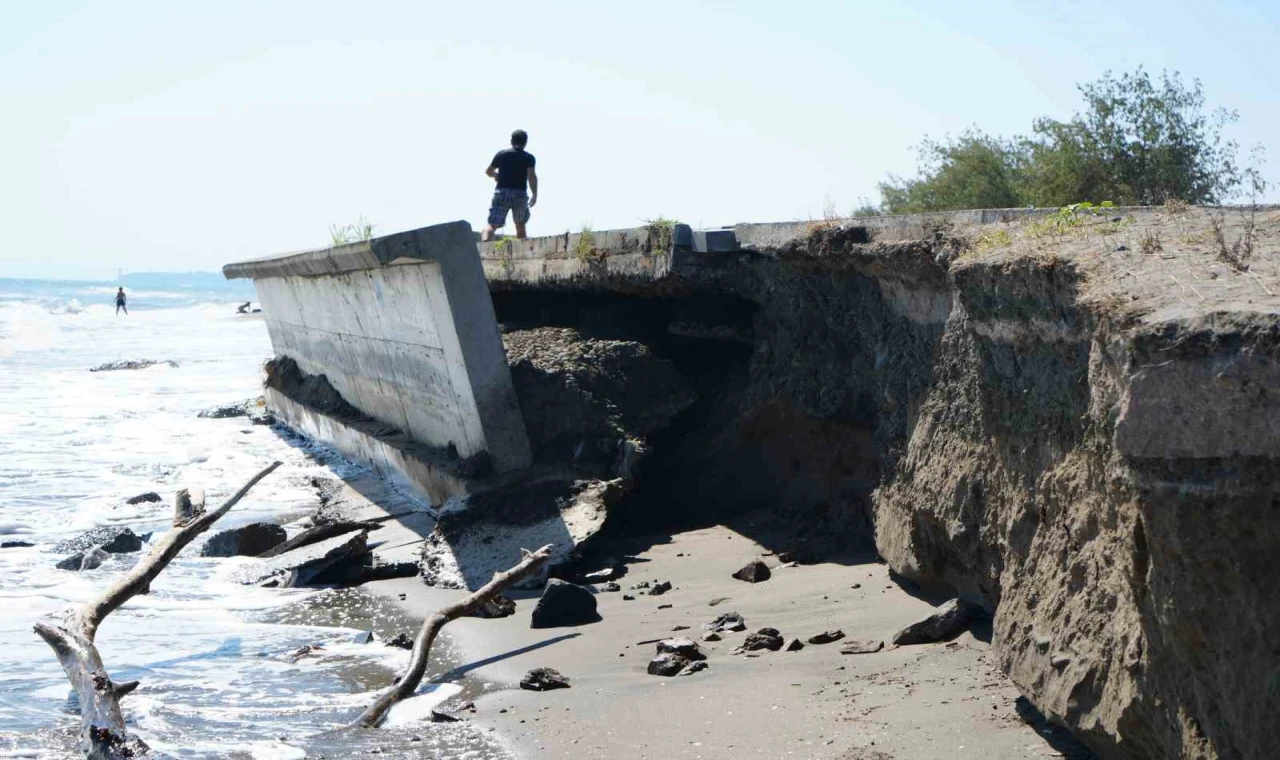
(181, 136)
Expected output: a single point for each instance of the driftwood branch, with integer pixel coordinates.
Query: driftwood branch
(408, 683)
(103, 733)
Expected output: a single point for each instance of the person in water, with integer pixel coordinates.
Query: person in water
(120, 299)
(513, 170)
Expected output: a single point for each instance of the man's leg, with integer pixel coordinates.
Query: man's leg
(497, 217)
(520, 215)
(520, 231)
(487, 233)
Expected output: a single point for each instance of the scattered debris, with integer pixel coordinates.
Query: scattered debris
(660, 588)
(826, 637)
(946, 621)
(730, 621)
(564, 603)
(695, 667)
(718, 600)
(543, 679)
(611, 587)
(861, 647)
(306, 650)
(765, 638)
(754, 571)
(120, 364)
(600, 576)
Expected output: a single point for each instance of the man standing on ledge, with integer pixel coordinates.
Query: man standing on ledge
(517, 189)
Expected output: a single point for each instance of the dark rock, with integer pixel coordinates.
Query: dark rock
(861, 647)
(224, 412)
(611, 587)
(401, 641)
(15, 545)
(667, 664)
(711, 636)
(150, 497)
(660, 588)
(679, 628)
(628, 598)
(564, 603)
(497, 607)
(91, 559)
(138, 364)
(946, 621)
(717, 601)
(686, 648)
(753, 572)
(729, 621)
(113, 540)
(543, 679)
(765, 638)
(695, 667)
(1122, 248)
(439, 716)
(308, 565)
(826, 637)
(250, 540)
(795, 645)
(320, 531)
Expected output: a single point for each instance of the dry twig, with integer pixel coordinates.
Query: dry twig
(408, 683)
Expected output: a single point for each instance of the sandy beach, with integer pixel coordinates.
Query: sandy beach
(942, 700)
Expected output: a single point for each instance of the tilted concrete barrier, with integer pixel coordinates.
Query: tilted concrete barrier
(403, 327)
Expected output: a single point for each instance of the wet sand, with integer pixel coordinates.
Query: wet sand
(944, 700)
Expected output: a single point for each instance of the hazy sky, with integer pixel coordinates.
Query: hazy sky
(175, 136)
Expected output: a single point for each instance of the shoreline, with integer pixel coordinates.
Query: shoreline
(945, 700)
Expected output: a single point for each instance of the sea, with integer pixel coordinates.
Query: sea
(217, 660)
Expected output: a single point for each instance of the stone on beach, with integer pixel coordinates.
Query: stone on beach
(728, 622)
(861, 647)
(543, 679)
(826, 637)
(765, 638)
(795, 645)
(667, 664)
(686, 648)
(112, 540)
(150, 497)
(946, 621)
(754, 571)
(249, 540)
(563, 604)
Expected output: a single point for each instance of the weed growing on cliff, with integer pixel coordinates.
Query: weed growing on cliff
(991, 240)
(1150, 243)
(661, 233)
(1061, 223)
(505, 260)
(1238, 252)
(585, 249)
(351, 233)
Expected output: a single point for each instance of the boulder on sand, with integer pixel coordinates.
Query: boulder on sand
(308, 565)
(861, 647)
(543, 679)
(249, 540)
(686, 648)
(826, 637)
(564, 603)
(754, 571)
(729, 622)
(667, 664)
(113, 540)
(946, 621)
(90, 559)
(765, 638)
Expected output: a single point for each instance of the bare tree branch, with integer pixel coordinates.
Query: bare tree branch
(408, 683)
(103, 734)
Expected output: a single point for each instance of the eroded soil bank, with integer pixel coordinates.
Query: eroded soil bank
(1075, 428)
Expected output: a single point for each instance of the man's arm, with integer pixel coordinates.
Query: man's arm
(492, 171)
(533, 187)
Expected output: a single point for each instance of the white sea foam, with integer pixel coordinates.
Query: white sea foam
(73, 446)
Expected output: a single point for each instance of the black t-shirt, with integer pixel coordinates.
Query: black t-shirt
(513, 168)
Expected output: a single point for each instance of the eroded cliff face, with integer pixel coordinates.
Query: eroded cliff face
(1083, 442)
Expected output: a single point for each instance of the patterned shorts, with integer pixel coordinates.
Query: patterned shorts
(506, 199)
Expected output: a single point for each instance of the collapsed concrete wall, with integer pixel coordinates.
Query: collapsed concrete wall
(403, 329)
(1073, 426)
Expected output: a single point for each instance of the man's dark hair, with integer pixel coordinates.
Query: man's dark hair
(519, 138)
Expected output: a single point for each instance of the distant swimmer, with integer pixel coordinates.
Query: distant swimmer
(513, 169)
(120, 302)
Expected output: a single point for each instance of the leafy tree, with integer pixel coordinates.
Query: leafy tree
(1137, 142)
